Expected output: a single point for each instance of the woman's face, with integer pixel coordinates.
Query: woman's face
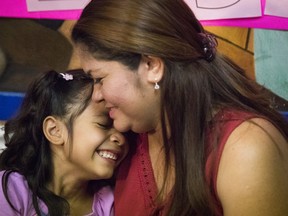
(132, 101)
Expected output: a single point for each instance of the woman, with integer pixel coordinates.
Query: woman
(210, 143)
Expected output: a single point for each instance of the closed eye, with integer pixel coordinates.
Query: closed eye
(105, 126)
(97, 80)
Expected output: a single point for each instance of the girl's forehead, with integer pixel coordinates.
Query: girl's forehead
(98, 107)
(95, 111)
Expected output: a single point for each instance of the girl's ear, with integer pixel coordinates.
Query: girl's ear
(54, 130)
(155, 67)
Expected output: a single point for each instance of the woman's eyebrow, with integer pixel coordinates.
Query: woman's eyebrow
(93, 71)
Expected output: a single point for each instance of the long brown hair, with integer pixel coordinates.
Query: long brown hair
(191, 88)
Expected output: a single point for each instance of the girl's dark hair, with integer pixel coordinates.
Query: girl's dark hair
(27, 149)
(191, 88)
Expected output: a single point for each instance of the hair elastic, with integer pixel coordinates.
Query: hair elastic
(209, 44)
(67, 76)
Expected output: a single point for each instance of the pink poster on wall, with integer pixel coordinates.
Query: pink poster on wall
(265, 21)
(257, 18)
(53, 5)
(19, 9)
(225, 9)
(277, 8)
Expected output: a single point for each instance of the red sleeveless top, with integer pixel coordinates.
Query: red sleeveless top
(136, 188)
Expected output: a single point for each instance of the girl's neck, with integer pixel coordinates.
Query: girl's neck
(78, 195)
(67, 189)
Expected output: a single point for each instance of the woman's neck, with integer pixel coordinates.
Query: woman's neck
(164, 181)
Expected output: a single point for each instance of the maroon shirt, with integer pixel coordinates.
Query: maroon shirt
(136, 187)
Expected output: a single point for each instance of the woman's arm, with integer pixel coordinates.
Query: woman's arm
(253, 172)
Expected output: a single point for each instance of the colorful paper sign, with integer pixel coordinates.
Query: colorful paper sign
(277, 8)
(225, 9)
(245, 16)
(52, 5)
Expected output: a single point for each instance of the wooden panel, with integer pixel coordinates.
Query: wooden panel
(236, 43)
(239, 56)
(251, 41)
(237, 36)
(65, 30)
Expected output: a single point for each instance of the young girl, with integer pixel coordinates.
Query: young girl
(58, 145)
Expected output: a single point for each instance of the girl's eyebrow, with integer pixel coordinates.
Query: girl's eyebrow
(100, 115)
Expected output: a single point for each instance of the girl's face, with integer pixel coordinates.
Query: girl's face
(96, 148)
(132, 101)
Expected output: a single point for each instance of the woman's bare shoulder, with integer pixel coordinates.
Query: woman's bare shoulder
(253, 171)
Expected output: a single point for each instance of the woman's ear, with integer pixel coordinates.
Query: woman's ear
(54, 130)
(155, 67)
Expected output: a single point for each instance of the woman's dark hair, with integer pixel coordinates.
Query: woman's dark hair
(27, 151)
(192, 88)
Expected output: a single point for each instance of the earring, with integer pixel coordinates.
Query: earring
(156, 86)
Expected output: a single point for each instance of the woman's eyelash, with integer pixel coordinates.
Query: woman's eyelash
(97, 80)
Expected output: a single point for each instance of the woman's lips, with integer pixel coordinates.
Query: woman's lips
(111, 113)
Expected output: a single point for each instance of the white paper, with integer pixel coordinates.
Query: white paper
(2, 143)
(51, 5)
(277, 8)
(225, 9)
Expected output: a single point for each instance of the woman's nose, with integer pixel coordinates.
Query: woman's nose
(97, 94)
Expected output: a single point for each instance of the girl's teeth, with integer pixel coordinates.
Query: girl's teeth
(109, 155)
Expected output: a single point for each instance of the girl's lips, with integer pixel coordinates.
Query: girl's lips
(111, 155)
(108, 154)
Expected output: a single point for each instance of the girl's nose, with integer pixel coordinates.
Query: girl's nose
(118, 139)
(97, 94)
